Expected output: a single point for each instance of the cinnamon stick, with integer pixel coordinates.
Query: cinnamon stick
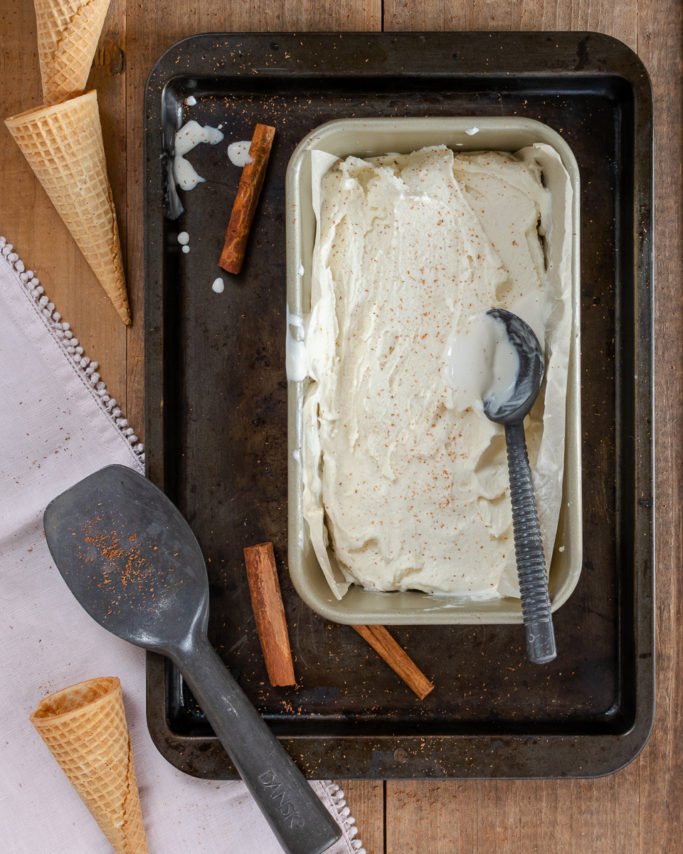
(397, 658)
(269, 613)
(244, 206)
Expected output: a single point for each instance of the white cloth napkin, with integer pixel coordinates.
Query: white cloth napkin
(57, 425)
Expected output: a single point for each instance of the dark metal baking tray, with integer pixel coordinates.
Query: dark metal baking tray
(216, 409)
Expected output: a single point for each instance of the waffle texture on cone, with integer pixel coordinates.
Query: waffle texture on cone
(68, 32)
(63, 145)
(85, 728)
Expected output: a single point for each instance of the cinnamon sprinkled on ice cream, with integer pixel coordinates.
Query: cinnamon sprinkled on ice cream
(405, 479)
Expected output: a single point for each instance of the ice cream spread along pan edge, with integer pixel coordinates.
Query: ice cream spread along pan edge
(401, 233)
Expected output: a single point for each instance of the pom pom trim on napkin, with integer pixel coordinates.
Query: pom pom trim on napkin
(343, 815)
(60, 330)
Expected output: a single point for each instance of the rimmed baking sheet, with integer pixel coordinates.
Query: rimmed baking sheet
(216, 431)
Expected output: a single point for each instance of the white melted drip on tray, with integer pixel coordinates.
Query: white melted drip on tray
(296, 358)
(188, 137)
(238, 152)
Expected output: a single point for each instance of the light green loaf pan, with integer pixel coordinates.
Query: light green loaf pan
(367, 138)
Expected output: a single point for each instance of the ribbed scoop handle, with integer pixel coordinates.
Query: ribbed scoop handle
(533, 581)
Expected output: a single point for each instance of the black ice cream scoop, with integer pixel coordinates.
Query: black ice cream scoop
(509, 409)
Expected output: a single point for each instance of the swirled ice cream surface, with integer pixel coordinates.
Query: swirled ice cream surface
(405, 479)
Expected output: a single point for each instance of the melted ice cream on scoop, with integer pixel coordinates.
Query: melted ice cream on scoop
(516, 371)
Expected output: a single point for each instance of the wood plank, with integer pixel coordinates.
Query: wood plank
(660, 35)
(27, 217)
(365, 800)
(496, 817)
(618, 18)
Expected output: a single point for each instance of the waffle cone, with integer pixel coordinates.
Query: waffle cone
(63, 145)
(85, 728)
(68, 32)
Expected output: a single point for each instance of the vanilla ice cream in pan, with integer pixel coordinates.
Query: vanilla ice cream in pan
(401, 235)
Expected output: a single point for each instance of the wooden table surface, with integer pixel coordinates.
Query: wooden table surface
(636, 810)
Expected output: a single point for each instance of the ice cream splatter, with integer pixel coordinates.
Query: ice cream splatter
(186, 249)
(190, 101)
(218, 285)
(238, 152)
(183, 238)
(295, 350)
(188, 137)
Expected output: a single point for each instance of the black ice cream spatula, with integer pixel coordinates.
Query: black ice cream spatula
(133, 563)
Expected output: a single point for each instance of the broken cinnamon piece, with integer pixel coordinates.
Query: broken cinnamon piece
(269, 613)
(244, 206)
(397, 658)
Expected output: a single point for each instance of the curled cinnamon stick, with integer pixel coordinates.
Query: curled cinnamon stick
(244, 206)
(397, 658)
(269, 613)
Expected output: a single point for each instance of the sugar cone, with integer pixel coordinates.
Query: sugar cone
(63, 145)
(85, 728)
(68, 32)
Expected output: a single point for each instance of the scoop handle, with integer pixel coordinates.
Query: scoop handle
(291, 807)
(533, 582)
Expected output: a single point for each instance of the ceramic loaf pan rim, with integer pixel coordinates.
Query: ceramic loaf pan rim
(368, 137)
